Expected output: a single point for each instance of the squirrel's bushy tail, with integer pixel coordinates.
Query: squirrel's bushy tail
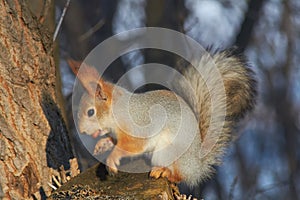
(223, 90)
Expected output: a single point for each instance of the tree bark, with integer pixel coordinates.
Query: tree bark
(33, 137)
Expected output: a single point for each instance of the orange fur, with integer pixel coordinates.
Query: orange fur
(166, 93)
(132, 145)
(176, 175)
(126, 146)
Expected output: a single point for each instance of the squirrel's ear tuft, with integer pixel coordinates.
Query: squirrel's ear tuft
(87, 75)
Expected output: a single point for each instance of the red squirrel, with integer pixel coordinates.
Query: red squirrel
(186, 144)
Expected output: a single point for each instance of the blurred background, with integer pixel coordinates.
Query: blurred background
(263, 163)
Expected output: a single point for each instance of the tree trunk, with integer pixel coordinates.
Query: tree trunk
(33, 137)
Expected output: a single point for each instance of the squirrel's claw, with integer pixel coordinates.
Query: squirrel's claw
(157, 172)
(111, 168)
(112, 171)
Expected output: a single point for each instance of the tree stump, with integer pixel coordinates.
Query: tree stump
(95, 184)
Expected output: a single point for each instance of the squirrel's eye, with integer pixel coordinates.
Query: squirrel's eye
(91, 112)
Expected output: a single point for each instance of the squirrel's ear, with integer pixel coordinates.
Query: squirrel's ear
(99, 91)
(87, 75)
(74, 65)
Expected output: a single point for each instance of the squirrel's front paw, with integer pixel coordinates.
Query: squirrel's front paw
(103, 145)
(111, 171)
(112, 162)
